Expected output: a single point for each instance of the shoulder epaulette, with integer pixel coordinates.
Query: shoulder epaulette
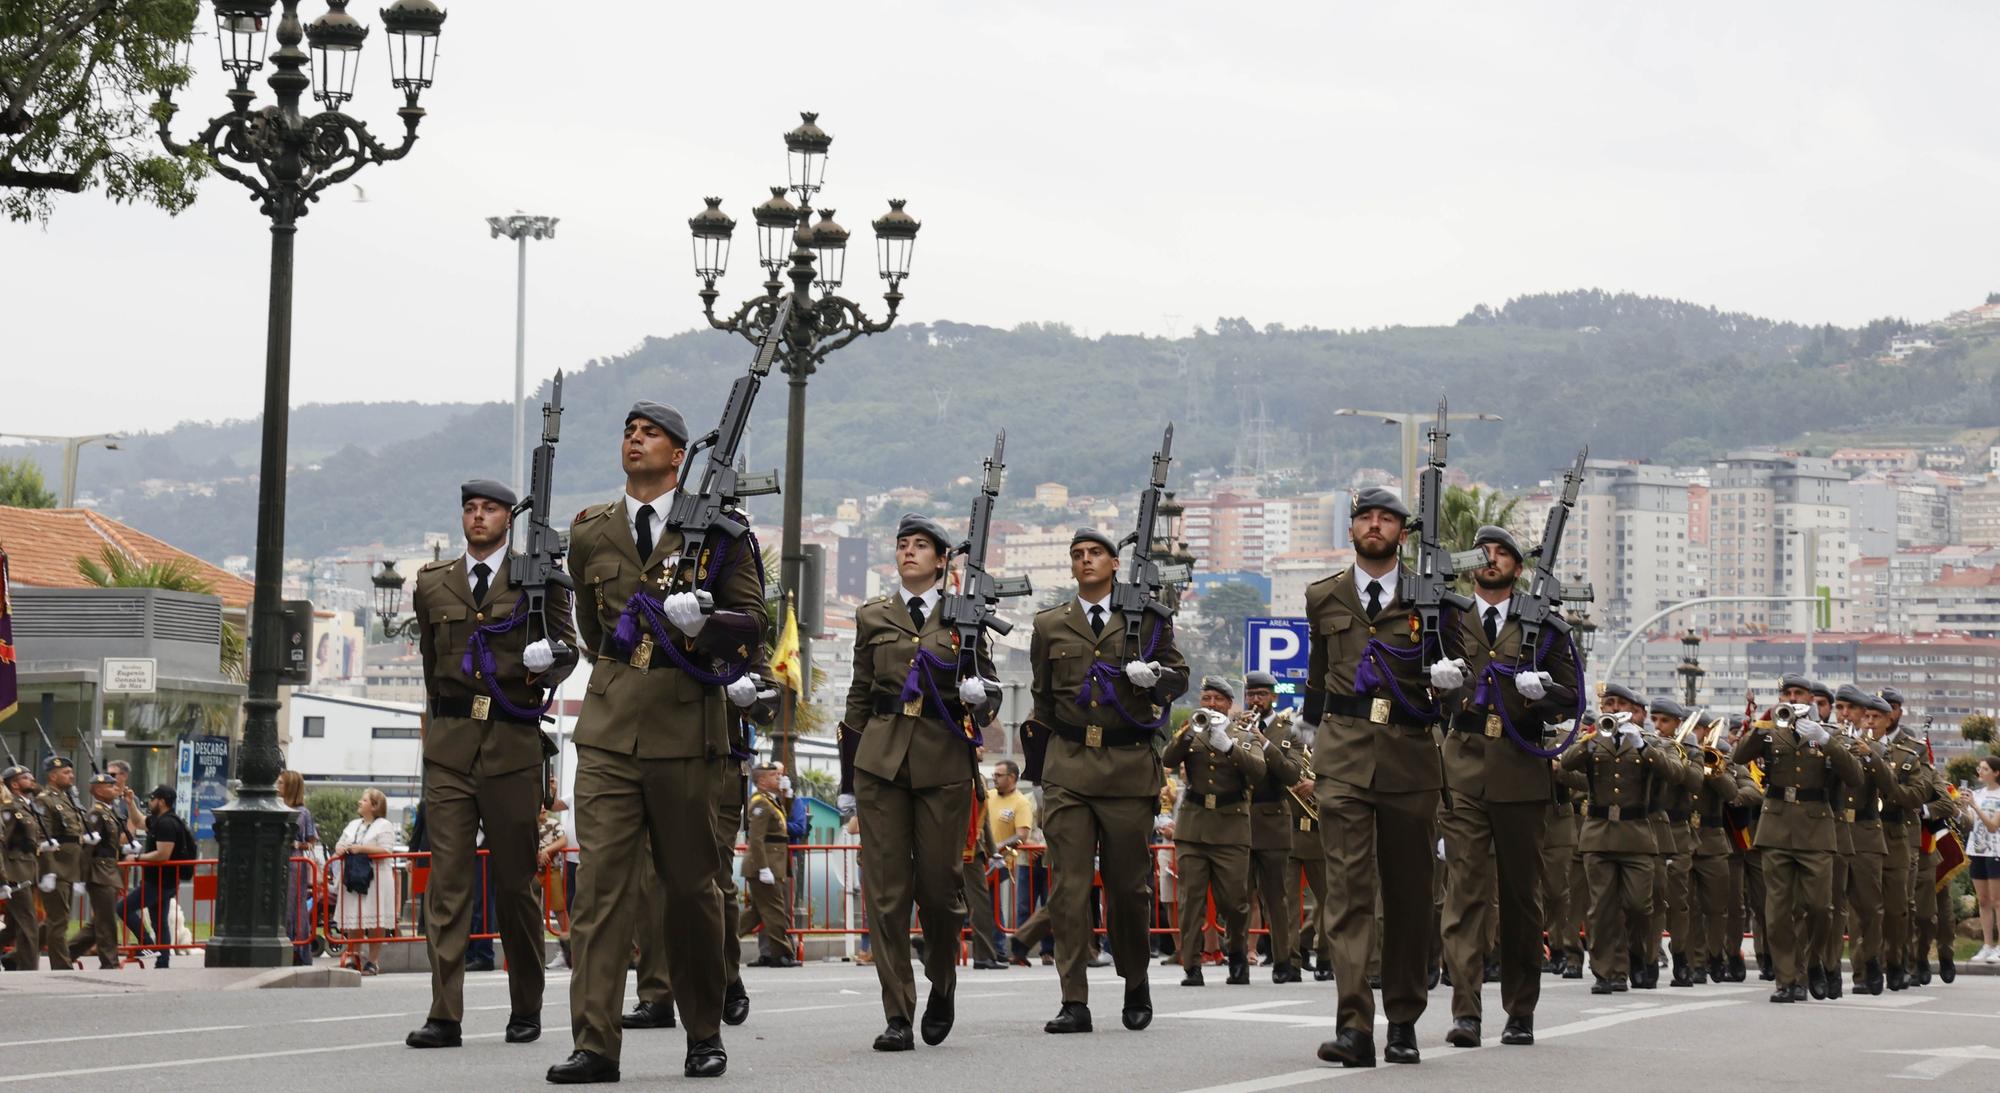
(1048, 610)
(592, 512)
(1329, 579)
(441, 563)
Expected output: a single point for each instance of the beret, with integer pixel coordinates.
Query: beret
(1619, 690)
(1490, 533)
(1260, 679)
(1219, 685)
(666, 417)
(1874, 702)
(916, 523)
(1377, 497)
(1092, 535)
(1848, 692)
(1670, 708)
(489, 489)
(57, 762)
(103, 780)
(12, 773)
(1795, 680)
(1821, 690)
(1892, 696)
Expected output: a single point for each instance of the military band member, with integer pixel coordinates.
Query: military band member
(1099, 708)
(913, 778)
(766, 869)
(1308, 861)
(1722, 786)
(1497, 766)
(1274, 879)
(487, 671)
(1221, 760)
(1746, 870)
(1672, 810)
(1796, 834)
(63, 822)
(23, 841)
(1620, 765)
(1565, 897)
(1932, 918)
(1868, 872)
(104, 835)
(1902, 835)
(653, 745)
(1378, 779)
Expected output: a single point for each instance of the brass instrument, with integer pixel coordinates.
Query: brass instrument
(1712, 757)
(1609, 722)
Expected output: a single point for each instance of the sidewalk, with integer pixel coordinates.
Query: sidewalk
(136, 980)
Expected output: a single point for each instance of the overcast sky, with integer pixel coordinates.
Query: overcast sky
(1331, 163)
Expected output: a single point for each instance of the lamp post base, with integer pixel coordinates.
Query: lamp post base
(254, 836)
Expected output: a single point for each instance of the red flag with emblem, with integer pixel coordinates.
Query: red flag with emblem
(10, 669)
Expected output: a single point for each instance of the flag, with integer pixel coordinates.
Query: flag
(10, 682)
(785, 658)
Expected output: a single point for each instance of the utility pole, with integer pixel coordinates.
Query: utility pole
(521, 228)
(72, 447)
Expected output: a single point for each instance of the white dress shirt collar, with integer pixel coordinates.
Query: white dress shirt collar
(1103, 606)
(929, 596)
(1504, 606)
(1388, 581)
(493, 567)
(660, 505)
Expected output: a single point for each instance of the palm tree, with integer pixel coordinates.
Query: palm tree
(113, 569)
(1466, 510)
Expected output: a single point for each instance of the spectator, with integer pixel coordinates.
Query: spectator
(1166, 882)
(157, 882)
(305, 848)
(126, 804)
(552, 858)
(1982, 851)
(368, 915)
(1010, 821)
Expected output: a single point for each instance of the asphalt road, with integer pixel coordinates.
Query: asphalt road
(810, 1029)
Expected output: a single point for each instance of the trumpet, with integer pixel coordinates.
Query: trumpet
(1712, 757)
(1785, 714)
(1610, 722)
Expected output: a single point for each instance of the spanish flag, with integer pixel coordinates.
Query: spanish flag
(785, 658)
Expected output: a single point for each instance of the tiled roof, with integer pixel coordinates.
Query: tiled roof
(43, 545)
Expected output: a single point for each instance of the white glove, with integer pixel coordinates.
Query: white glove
(1449, 675)
(1142, 674)
(742, 692)
(784, 783)
(539, 657)
(1633, 730)
(77, 889)
(683, 609)
(51, 844)
(998, 861)
(48, 883)
(134, 849)
(764, 876)
(6, 892)
(844, 802)
(1219, 739)
(1813, 732)
(972, 690)
(1532, 686)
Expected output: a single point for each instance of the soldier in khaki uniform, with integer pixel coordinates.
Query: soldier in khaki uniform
(1500, 794)
(1671, 820)
(1307, 861)
(483, 759)
(1221, 760)
(912, 733)
(1565, 896)
(1722, 786)
(653, 745)
(1902, 827)
(22, 843)
(1273, 876)
(1796, 835)
(1617, 768)
(1378, 781)
(767, 871)
(1099, 709)
(1869, 869)
(63, 821)
(104, 835)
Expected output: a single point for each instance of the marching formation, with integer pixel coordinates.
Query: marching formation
(1445, 795)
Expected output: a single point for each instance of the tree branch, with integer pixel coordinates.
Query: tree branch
(67, 181)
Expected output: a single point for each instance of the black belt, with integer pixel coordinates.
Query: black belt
(886, 706)
(776, 838)
(1677, 816)
(1363, 708)
(1868, 813)
(1894, 816)
(1775, 793)
(1714, 821)
(462, 707)
(1606, 812)
(1262, 797)
(1119, 736)
(65, 839)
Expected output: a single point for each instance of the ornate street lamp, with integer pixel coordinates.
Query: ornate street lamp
(1690, 669)
(812, 256)
(389, 601)
(286, 159)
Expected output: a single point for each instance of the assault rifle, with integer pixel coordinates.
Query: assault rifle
(970, 610)
(1436, 565)
(539, 564)
(1543, 606)
(1138, 593)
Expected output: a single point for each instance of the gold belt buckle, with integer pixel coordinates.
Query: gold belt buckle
(1695, 820)
(1849, 813)
(482, 707)
(1208, 801)
(1378, 711)
(1614, 812)
(1791, 795)
(914, 707)
(1305, 824)
(1093, 737)
(1493, 729)
(642, 654)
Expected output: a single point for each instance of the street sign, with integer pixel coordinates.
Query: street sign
(130, 675)
(1280, 647)
(201, 782)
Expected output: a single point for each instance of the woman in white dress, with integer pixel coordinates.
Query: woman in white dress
(1982, 851)
(370, 914)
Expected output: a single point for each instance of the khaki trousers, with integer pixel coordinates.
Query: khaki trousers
(649, 929)
(1680, 917)
(102, 929)
(56, 907)
(765, 906)
(1621, 892)
(1798, 891)
(1708, 907)
(1379, 844)
(1897, 950)
(1862, 900)
(1115, 831)
(456, 807)
(1558, 856)
(1221, 873)
(1312, 934)
(1268, 869)
(1576, 918)
(622, 802)
(979, 908)
(23, 935)
(912, 844)
(1494, 848)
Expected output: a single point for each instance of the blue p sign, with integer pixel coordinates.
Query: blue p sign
(1279, 646)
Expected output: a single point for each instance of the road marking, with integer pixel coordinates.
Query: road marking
(244, 1058)
(122, 1035)
(1938, 1062)
(1884, 1002)
(1254, 1012)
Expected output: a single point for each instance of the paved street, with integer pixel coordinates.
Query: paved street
(810, 1029)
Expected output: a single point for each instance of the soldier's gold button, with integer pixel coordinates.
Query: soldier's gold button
(479, 616)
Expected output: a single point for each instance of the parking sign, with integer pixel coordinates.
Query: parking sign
(1278, 646)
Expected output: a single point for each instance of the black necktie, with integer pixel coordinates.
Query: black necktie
(479, 573)
(1096, 619)
(1374, 598)
(917, 611)
(642, 531)
(1492, 625)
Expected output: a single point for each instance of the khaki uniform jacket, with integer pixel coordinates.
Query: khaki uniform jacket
(1271, 826)
(1215, 810)
(661, 712)
(1919, 784)
(1486, 764)
(938, 752)
(1792, 764)
(1390, 758)
(1060, 654)
(64, 821)
(1730, 785)
(21, 835)
(101, 861)
(766, 847)
(443, 603)
(1619, 775)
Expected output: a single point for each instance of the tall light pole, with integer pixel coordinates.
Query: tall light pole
(810, 256)
(286, 159)
(72, 446)
(521, 228)
(1411, 422)
(1810, 543)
